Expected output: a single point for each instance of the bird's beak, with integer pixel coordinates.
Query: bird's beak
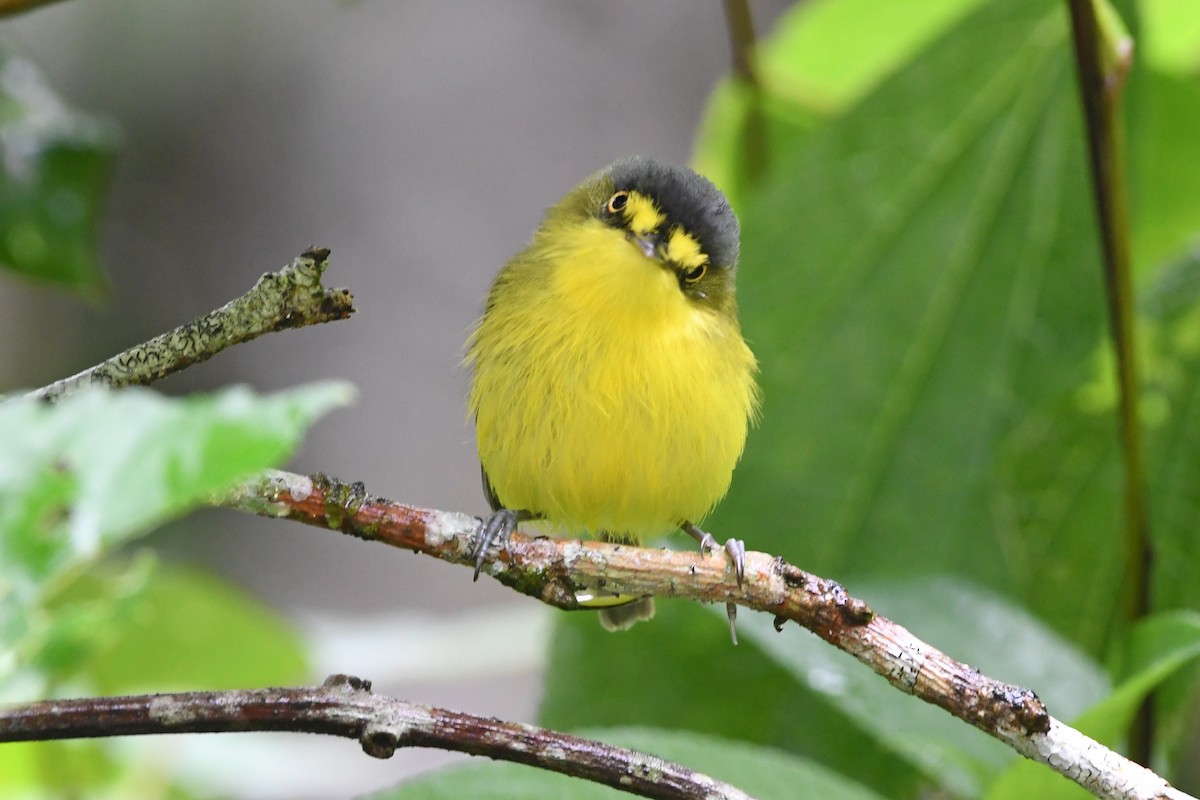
(648, 243)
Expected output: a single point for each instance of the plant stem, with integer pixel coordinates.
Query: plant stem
(745, 71)
(1103, 63)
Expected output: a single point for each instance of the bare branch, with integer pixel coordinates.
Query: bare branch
(554, 570)
(290, 298)
(344, 706)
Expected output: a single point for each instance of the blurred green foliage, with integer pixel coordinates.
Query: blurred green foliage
(55, 163)
(81, 613)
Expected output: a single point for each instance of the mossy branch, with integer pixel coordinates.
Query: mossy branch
(290, 298)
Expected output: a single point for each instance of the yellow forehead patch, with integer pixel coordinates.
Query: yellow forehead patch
(683, 249)
(643, 216)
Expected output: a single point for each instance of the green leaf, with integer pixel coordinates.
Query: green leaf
(972, 626)
(737, 120)
(680, 671)
(99, 468)
(56, 166)
(1165, 173)
(71, 626)
(1170, 333)
(762, 772)
(98, 769)
(822, 56)
(1170, 36)
(190, 629)
(1159, 647)
(831, 53)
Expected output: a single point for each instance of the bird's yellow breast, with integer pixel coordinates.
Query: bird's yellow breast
(604, 398)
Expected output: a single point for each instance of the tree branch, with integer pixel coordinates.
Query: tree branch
(290, 298)
(344, 706)
(555, 570)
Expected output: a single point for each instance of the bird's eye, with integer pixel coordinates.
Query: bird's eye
(694, 274)
(617, 202)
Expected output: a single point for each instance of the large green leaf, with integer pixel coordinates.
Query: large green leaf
(56, 164)
(762, 772)
(82, 476)
(680, 671)
(187, 629)
(1165, 179)
(1171, 330)
(1171, 36)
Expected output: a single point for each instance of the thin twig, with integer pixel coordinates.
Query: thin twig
(741, 37)
(290, 298)
(753, 152)
(344, 706)
(555, 570)
(1103, 65)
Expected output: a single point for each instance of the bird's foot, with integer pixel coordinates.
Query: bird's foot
(736, 549)
(494, 530)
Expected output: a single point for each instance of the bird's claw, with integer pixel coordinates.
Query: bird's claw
(737, 553)
(736, 549)
(494, 530)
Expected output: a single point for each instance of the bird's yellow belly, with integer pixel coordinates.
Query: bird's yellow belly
(610, 417)
(642, 446)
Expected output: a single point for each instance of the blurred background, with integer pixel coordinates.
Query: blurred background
(420, 142)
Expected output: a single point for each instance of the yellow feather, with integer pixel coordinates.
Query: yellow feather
(642, 213)
(682, 248)
(604, 398)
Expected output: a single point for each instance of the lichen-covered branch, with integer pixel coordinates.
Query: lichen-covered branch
(344, 706)
(290, 298)
(555, 570)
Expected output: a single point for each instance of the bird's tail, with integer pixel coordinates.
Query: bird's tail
(619, 618)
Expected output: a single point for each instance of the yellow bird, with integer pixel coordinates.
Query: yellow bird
(611, 387)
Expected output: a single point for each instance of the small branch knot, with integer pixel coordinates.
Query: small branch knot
(347, 683)
(1028, 708)
(379, 742)
(316, 253)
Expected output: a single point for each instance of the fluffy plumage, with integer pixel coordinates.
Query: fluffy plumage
(611, 387)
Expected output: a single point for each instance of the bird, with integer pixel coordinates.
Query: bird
(611, 387)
